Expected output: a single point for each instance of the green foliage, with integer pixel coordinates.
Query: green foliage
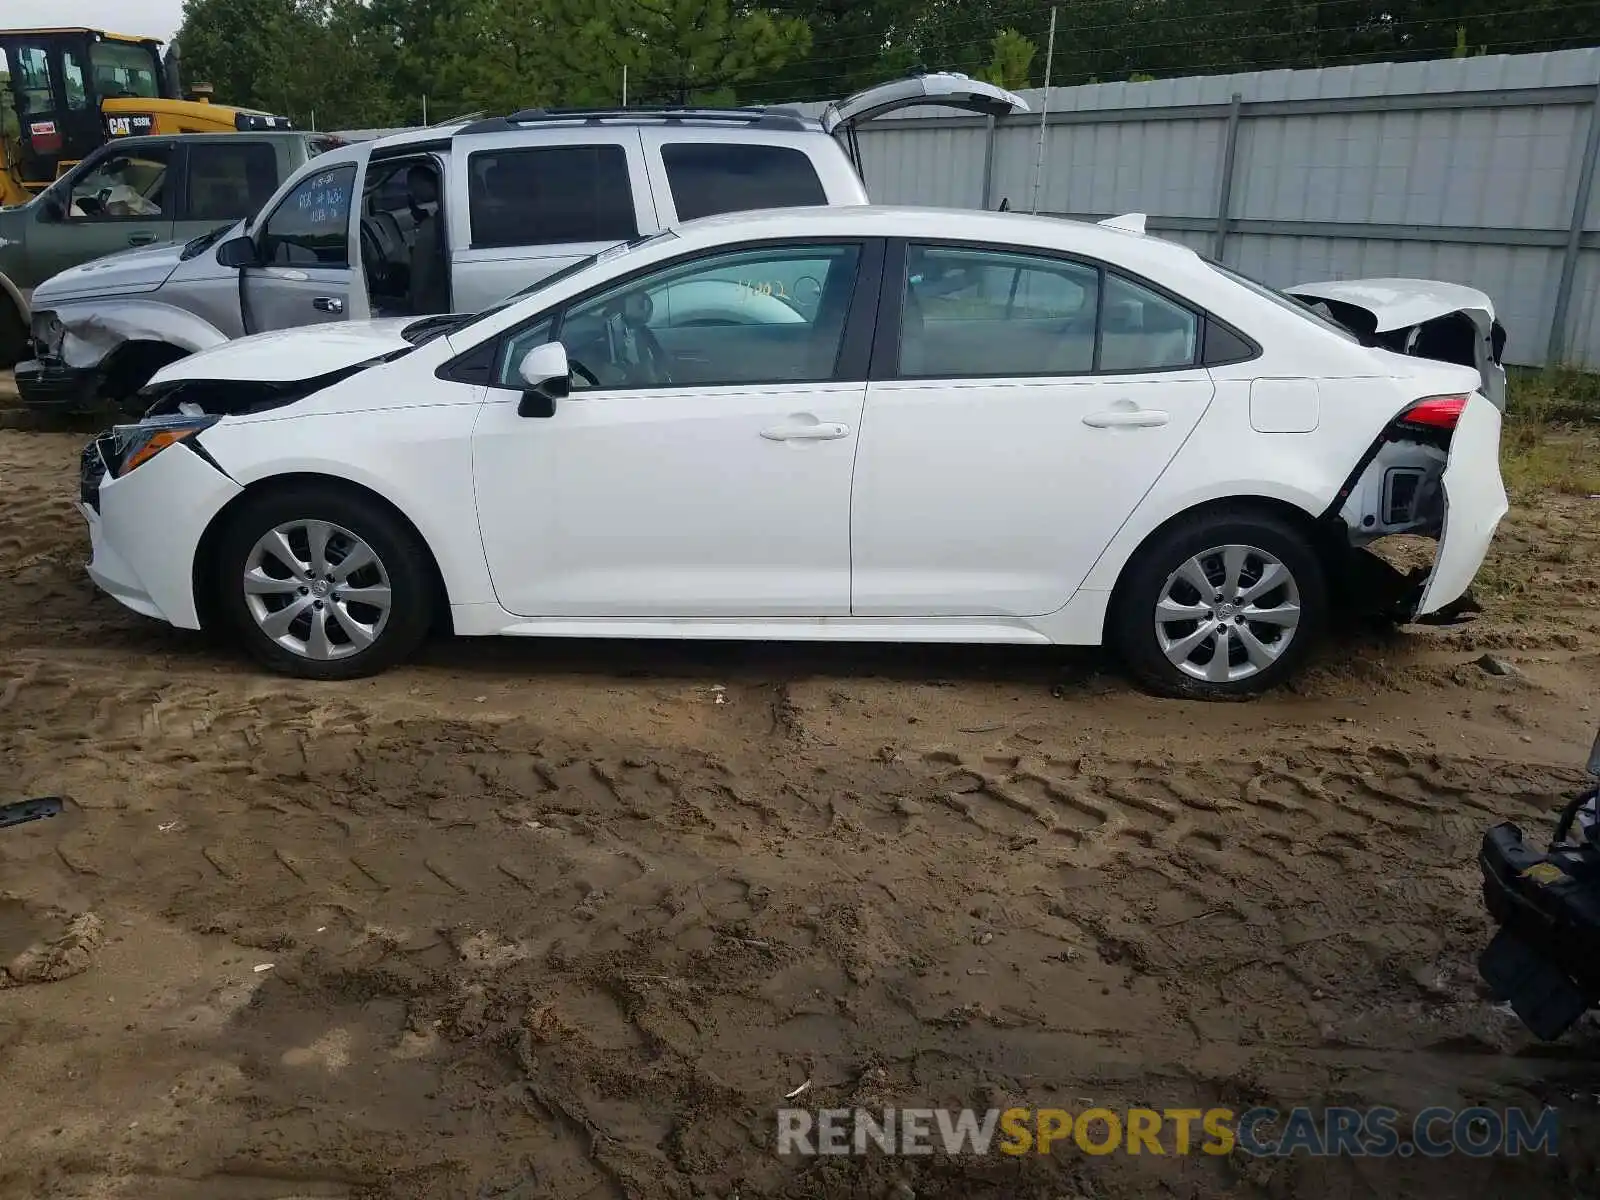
(1013, 54)
(371, 62)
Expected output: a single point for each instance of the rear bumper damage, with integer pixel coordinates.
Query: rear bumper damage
(1438, 486)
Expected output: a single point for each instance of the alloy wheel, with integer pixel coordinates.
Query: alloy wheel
(1227, 614)
(317, 590)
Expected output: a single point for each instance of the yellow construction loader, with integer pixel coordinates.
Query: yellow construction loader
(64, 92)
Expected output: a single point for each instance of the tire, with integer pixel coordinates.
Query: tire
(1261, 654)
(347, 520)
(13, 335)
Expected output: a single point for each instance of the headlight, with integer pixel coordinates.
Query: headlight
(134, 445)
(48, 333)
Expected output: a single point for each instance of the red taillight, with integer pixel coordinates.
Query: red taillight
(1436, 412)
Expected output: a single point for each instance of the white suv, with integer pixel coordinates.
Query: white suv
(458, 217)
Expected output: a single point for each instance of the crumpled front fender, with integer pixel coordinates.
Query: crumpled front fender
(91, 332)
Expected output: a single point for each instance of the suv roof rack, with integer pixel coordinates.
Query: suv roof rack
(756, 117)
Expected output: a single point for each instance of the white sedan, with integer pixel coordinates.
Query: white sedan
(843, 424)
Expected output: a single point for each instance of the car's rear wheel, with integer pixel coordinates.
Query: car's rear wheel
(1223, 605)
(324, 584)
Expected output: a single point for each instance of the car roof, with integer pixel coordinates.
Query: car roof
(960, 224)
(144, 139)
(735, 122)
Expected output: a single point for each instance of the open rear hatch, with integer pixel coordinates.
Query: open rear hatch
(940, 89)
(1424, 318)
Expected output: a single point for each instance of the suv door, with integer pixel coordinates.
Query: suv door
(122, 195)
(304, 244)
(223, 181)
(537, 201)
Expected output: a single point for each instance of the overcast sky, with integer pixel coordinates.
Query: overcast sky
(149, 18)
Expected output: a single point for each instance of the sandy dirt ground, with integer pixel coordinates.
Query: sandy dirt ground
(569, 920)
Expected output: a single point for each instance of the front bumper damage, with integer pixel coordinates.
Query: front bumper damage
(145, 528)
(47, 385)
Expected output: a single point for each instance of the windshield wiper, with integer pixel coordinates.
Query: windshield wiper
(204, 242)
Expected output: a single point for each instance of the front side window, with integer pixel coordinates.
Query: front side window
(761, 316)
(979, 313)
(128, 185)
(123, 70)
(553, 195)
(311, 227)
(230, 179)
(35, 82)
(718, 177)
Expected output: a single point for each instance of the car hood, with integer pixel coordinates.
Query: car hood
(291, 355)
(1401, 303)
(141, 270)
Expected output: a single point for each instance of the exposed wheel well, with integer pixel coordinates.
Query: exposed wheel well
(129, 367)
(205, 559)
(1323, 541)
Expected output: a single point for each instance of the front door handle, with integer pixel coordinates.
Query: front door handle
(823, 432)
(1128, 418)
(141, 239)
(328, 304)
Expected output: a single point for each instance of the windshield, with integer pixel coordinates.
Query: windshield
(1283, 300)
(121, 69)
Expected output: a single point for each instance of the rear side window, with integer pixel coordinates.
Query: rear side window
(550, 196)
(230, 179)
(710, 177)
(310, 228)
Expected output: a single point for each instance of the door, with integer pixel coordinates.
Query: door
(532, 209)
(224, 180)
(701, 465)
(304, 246)
(1031, 404)
(120, 197)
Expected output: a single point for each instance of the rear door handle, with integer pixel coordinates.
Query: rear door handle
(822, 432)
(328, 304)
(141, 239)
(1128, 418)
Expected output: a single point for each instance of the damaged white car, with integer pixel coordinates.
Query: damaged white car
(843, 424)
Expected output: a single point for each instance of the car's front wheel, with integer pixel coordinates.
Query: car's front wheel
(1222, 605)
(323, 584)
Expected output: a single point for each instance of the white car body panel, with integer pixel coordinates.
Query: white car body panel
(934, 534)
(281, 356)
(943, 511)
(1475, 501)
(670, 503)
(1401, 303)
(143, 546)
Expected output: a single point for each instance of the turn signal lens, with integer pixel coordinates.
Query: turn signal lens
(1436, 412)
(138, 444)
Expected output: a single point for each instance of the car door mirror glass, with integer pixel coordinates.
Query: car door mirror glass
(546, 377)
(238, 252)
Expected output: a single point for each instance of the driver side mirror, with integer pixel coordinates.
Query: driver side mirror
(548, 378)
(238, 252)
(51, 207)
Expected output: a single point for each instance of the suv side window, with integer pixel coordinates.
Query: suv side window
(972, 312)
(311, 227)
(550, 195)
(230, 179)
(718, 177)
(123, 185)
